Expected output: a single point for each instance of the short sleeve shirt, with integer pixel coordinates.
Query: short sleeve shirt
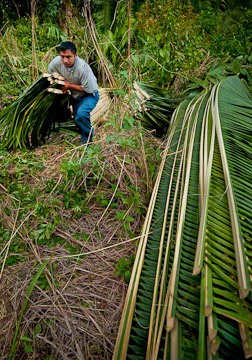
(79, 74)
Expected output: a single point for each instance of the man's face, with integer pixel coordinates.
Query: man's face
(68, 58)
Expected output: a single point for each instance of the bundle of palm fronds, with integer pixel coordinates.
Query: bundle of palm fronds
(28, 119)
(190, 292)
(154, 106)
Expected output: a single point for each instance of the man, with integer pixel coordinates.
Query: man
(82, 83)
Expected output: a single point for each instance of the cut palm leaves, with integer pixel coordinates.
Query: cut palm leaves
(29, 118)
(188, 296)
(154, 106)
(42, 107)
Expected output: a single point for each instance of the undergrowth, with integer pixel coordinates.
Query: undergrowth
(82, 209)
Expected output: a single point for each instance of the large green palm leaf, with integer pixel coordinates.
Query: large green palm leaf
(189, 293)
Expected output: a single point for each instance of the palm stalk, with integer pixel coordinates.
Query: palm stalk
(189, 295)
(155, 106)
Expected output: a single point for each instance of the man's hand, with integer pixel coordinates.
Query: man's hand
(67, 86)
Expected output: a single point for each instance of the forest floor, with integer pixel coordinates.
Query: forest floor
(82, 209)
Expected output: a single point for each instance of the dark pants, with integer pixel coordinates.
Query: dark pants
(82, 108)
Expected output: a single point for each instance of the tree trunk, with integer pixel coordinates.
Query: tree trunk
(67, 8)
(129, 29)
(34, 58)
(17, 9)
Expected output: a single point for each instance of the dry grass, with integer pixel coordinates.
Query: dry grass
(80, 309)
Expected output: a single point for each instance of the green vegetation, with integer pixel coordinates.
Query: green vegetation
(170, 35)
(72, 216)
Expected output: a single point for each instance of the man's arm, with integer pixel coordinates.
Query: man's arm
(69, 86)
(52, 67)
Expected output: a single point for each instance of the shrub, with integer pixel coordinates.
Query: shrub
(229, 33)
(170, 34)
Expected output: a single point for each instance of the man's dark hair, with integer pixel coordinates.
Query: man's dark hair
(67, 45)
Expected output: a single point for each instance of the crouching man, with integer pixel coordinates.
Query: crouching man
(81, 82)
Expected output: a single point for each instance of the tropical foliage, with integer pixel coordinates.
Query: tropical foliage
(191, 282)
(169, 34)
(168, 38)
(226, 34)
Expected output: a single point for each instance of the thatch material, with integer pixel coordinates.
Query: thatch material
(103, 106)
(189, 295)
(154, 106)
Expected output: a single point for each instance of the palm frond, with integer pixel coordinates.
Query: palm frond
(155, 106)
(189, 293)
(28, 119)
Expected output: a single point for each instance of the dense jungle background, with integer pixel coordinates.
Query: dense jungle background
(71, 216)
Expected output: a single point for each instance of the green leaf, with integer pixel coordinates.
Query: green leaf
(129, 218)
(26, 338)
(28, 349)
(37, 330)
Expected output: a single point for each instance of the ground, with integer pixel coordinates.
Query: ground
(59, 201)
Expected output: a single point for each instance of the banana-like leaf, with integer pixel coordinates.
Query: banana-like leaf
(190, 292)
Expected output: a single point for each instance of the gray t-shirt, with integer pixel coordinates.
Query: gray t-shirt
(79, 74)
